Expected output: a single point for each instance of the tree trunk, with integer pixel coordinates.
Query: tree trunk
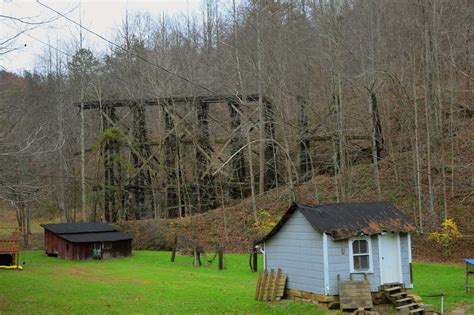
(375, 142)
(428, 104)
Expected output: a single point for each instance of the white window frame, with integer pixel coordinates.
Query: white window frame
(107, 245)
(351, 257)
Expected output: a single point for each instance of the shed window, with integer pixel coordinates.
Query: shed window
(107, 245)
(360, 250)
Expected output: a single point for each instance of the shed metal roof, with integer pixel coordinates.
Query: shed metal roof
(95, 237)
(345, 220)
(86, 232)
(73, 228)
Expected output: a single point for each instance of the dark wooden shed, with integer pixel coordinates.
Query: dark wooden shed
(85, 241)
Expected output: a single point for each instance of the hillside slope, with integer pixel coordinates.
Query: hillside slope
(233, 228)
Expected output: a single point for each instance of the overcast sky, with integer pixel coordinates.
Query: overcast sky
(104, 17)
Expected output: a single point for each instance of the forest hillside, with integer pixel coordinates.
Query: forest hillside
(202, 129)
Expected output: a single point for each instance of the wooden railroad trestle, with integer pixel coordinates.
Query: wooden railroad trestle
(132, 196)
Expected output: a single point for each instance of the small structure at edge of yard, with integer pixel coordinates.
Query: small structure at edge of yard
(85, 241)
(10, 251)
(315, 245)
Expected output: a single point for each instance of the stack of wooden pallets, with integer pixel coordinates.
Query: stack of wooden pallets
(354, 295)
(270, 285)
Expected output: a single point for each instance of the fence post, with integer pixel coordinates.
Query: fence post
(220, 258)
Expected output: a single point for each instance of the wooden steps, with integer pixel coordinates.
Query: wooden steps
(397, 295)
(401, 301)
(410, 306)
(392, 289)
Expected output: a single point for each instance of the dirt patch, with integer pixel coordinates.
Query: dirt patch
(92, 275)
(461, 310)
(3, 301)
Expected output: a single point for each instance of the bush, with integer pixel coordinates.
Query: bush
(447, 236)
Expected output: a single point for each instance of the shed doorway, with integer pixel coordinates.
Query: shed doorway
(390, 262)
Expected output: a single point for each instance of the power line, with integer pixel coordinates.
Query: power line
(232, 100)
(129, 52)
(156, 65)
(44, 43)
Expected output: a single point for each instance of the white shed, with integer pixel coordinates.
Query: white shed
(315, 244)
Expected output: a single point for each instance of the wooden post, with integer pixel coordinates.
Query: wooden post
(255, 262)
(238, 162)
(466, 284)
(110, 149)
(220, 257)
(197, 257)
(170, 157)
(173, 253)
(142, 180)
(204, 183)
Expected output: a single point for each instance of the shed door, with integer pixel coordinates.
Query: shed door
(390, 258)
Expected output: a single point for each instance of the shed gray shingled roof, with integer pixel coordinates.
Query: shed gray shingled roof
(345, 220)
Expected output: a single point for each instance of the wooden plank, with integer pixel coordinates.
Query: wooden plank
(282, 285)
(259, 282)
(271, 285)
(274, 285)
(268, 286)
(262, 286)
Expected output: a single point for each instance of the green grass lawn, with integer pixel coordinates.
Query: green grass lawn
(148, 283)
(433, 279)
(145, 283)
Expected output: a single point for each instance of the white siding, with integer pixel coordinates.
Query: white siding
(298, 250)
(405, 259)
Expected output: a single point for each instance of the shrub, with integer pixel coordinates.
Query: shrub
(447, 236)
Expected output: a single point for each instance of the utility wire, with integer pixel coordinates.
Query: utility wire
(44, 43)
(156, 65)
(127, 51)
